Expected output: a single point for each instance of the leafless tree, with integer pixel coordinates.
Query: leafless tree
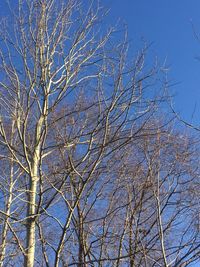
(144, 216)
(89, 174)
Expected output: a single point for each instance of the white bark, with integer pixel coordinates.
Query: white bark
(31, 211)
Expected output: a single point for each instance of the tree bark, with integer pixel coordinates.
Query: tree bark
(32, 193)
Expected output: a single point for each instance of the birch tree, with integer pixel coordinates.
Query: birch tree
(78, 117)
(69, 98)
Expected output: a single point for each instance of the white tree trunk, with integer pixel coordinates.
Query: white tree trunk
(31, 214)
(31, 223)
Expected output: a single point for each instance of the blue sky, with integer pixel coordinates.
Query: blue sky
(168, 24)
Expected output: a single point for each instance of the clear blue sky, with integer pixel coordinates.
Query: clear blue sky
(168, 24)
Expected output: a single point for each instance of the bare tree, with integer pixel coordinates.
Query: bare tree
(89, 174)
(147, 216)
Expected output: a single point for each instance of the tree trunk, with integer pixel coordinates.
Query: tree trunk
(32, 193)
(5, 228)
(31, 222)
